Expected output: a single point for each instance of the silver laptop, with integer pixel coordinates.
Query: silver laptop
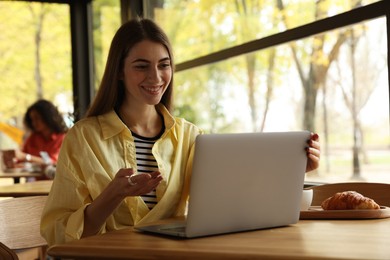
(242, 182)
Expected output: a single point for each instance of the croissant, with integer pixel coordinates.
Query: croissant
(349, 200)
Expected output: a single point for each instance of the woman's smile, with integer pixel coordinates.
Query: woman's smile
(153, 90)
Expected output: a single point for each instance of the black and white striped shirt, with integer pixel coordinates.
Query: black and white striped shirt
(146, 163)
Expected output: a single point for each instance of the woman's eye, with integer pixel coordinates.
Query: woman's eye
(141, 66)
(165, 65)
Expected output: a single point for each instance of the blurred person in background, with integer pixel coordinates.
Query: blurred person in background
(46, 130)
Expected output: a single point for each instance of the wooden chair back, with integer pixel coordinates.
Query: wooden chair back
(6, 253)
(380, 192)
(20, 222)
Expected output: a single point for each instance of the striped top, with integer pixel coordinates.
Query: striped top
(146, 163)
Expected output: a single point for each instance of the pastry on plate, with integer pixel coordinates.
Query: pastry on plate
(349, 200)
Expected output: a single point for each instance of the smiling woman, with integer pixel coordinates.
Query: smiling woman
(128, 132)
(130, 159)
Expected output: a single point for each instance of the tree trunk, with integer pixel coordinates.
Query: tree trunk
(37, 40)
(356, 135)
(270, 85)
(250, 60)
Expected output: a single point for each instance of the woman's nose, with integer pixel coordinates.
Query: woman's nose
(154, 74)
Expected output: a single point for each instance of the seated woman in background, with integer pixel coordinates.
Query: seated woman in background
(47, 130)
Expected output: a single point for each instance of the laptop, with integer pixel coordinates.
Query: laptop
(242, 182)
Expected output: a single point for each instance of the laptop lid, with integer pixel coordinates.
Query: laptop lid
(246, 181)
(242, 182)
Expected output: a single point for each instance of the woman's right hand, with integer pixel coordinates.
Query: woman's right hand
(136, 184)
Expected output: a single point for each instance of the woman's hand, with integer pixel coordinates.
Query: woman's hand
(313, 152)
(137, 184)
(20, 156)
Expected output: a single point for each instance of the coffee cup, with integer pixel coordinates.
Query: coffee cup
(307, 197)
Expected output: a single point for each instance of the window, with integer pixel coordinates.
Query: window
(106, 20)
(200, 27)
(334, 82)
(35, 59)
(36, 55)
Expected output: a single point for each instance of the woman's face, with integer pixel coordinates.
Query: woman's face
(37, 122)
(147, 73)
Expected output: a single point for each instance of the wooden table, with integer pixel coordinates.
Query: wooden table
(308, 239)
(35, 188)
(17, 175)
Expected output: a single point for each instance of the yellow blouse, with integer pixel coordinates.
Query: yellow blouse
(93, 151)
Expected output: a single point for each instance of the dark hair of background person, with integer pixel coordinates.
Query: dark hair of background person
(49, 114)
(112, 90)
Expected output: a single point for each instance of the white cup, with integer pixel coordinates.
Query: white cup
(307, 197)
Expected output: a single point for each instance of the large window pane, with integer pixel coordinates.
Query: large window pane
(106, 20)
(35, 51)
(200, 27)
(35, 58)
(265, 91)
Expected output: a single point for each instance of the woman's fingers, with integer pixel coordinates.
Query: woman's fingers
(140, 184)
(124, 172)
(313, 152)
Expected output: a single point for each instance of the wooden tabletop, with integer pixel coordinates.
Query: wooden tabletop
(308, 239)
(16, 175)
(19, 174)
(35, 188)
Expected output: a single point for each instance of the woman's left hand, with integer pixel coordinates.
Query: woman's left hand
(313, 152)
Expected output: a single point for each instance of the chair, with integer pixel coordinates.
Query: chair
(6, 253)
(20, 225)
(380, 192)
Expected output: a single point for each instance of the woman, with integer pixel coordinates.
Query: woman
(129, 160)
(47, 130)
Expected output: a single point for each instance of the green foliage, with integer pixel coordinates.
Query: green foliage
(19, 26)
(106, 20)
(197, 28)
